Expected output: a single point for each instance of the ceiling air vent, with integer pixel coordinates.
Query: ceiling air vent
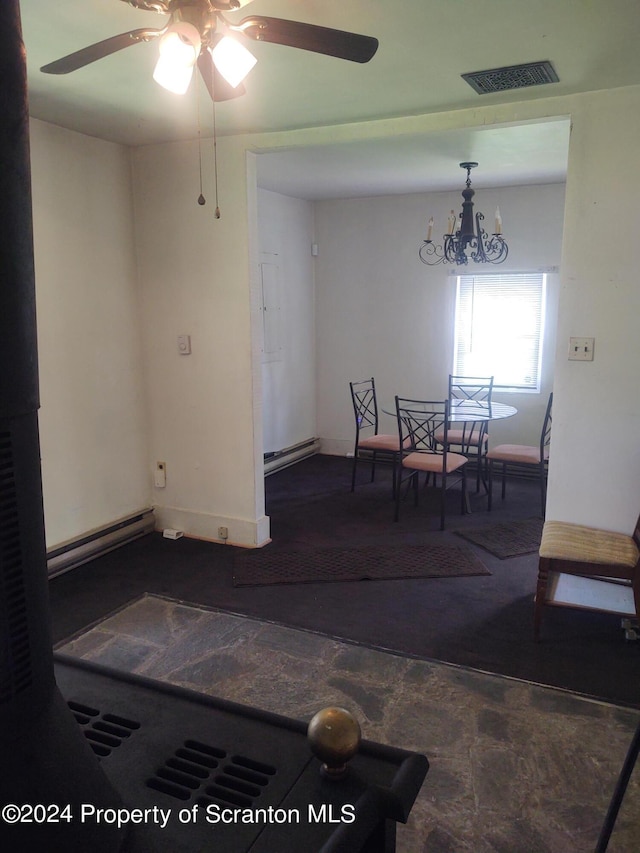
(511, 77)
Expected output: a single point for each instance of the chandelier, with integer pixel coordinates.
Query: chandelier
(465, 238)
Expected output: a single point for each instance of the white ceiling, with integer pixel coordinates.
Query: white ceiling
(425, 45)
(533, 153)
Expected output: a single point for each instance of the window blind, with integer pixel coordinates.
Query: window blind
(499, 328)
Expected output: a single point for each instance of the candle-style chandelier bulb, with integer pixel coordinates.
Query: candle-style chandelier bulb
(465, 239)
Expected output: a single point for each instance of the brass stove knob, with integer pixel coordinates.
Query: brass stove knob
(334, 737)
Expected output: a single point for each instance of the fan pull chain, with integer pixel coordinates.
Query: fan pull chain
(215, 158)
(201, 198)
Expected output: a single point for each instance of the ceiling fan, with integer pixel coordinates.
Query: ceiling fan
(198, 32)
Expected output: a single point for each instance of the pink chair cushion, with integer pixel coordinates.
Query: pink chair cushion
(457, 436)
(433, 462)
(380, 442)
(517, 453)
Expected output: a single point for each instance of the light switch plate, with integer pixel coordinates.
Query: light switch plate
(581, 349)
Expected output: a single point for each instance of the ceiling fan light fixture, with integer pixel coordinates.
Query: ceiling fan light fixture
(232, 60)
(179, 49)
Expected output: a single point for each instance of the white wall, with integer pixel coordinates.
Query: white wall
(595, 468)
(196, 279)
(288, 372)
(92, 417)
(383, 313)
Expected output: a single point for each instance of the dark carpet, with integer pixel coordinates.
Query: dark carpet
(365, 563)
(485, 622)
(511, 539)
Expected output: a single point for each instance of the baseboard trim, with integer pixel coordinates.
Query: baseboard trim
(242, 532)
(75, 552)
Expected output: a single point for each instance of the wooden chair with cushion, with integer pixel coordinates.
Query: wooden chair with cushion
(523, 454)
(587, 552)
(370, 445)
(471, 439)
(420, 422)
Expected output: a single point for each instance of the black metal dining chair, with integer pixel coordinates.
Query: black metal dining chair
(420, 422)
(471, 439)
(370, 445)
(524, 454)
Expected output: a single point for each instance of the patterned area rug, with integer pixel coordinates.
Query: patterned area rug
(367, 562)
(511, 539)
(515, 767)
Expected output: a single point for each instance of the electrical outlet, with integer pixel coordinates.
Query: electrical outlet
(581, 349)
(160, 475)
(223, 533)
(184, 344)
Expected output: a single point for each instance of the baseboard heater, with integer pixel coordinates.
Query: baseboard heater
(289, 455)
(97, 542)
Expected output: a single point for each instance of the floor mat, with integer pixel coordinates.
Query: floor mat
(367, 562)
(511, 539)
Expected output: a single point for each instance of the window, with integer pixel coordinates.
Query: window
(498, 328)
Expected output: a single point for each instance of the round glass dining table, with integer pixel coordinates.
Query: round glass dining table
(468, 411)
(465, 411)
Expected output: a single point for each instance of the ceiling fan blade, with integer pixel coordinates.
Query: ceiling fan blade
(337, 43)
(218, 87)
(99, 50)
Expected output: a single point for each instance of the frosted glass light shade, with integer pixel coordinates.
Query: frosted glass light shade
(232, 60)
(179, 49)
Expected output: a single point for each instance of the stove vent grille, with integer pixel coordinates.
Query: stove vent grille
(13, 604)
(237, 780)
(105, 732)
(195, 769)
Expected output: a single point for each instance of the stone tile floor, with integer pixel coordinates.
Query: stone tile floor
(515, 767)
